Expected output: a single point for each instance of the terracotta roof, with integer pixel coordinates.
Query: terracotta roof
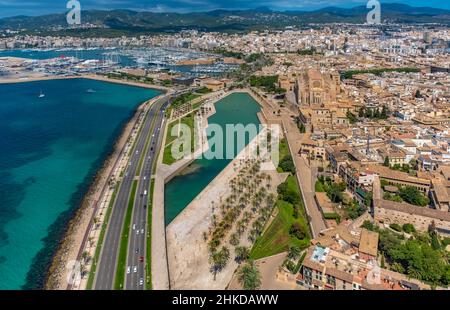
(385, 172)
(368, 243)
(414, 210)
(340, 274)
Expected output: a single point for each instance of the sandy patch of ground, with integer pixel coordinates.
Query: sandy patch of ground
(187, 251)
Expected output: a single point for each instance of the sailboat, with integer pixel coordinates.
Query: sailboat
(41, 95)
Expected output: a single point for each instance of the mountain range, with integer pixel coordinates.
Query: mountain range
(127, 21)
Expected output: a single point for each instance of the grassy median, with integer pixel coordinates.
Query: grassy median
(123, 248)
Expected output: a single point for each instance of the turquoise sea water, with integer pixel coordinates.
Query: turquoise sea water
(50, 150)
(237, 108)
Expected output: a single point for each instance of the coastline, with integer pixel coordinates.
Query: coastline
(78, 228)
(83, 76)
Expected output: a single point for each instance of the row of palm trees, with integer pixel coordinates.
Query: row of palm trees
(248, 203)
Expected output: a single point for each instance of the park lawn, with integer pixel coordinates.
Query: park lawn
(203, 90)
(284, 148)
(188, 120)
(169, 137)
(276, 238)
(319, 187)
(167, 156)
(284, 151)
(191, 96)
(184, 99)
(293, 184)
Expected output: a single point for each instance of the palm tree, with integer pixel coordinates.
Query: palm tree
(96, 221)
(241, 227)
(85, 256)
(219, 260)
(249, 276)
(234, 240)
(294, 252)
(83, 270)
(242, 253)
(91, 241)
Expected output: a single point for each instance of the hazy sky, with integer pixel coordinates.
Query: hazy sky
(39, 7)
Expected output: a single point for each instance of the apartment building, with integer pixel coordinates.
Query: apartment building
(328, 269)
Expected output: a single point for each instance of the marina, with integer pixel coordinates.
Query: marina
(102, 60)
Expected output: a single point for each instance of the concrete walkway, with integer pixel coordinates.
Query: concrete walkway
(164, 173)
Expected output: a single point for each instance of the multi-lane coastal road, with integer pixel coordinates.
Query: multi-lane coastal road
(136, 258)
(105, 274)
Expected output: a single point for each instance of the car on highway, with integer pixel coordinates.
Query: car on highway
(128, 269)
(141, 281)
(135, 269)
(141, 259)
(142, 231)
(137, 251)
(145, 206)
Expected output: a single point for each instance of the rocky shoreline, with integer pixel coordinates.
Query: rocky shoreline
(72, 240)
(78, 225)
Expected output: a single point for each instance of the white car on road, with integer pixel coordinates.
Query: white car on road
(135, 269)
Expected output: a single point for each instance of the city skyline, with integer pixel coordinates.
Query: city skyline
(35, 8)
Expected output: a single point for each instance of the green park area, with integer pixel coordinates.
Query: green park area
(187, 120)
(349, 74)
(180, 100)
(290, 228)
(269, 83)
(419, 255)
(351, 209)
(408, 194)
(286, 163)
